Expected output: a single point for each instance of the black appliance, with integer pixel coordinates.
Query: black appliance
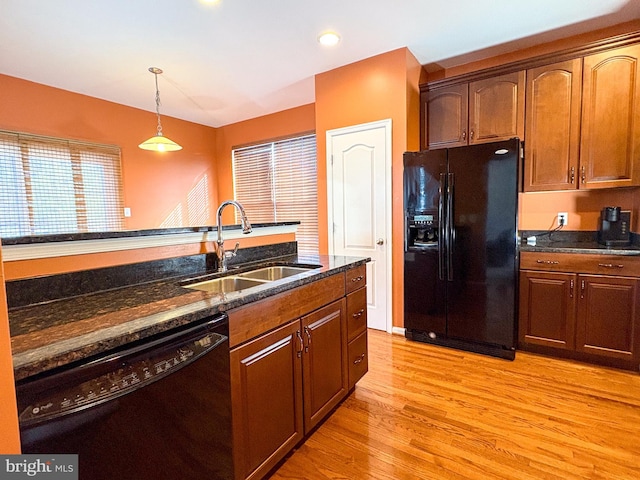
(159, 409)
(614, 228)
(461, 254)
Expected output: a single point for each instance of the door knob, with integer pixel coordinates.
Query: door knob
(380, 241)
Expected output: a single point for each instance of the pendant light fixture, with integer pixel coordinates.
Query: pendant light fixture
(159, 143)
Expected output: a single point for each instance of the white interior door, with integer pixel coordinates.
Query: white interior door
(359, 200)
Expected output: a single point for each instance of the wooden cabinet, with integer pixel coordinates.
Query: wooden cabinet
(580, 310)
(266, 395)
(606, 323)
(445, 116)
(324, 362)
(285, 381)
(357, 355)
(552, 146)
(547, 309)
(583, 122)
(610, 141)
(480, 111)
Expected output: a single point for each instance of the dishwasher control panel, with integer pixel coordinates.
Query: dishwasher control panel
(127, 375)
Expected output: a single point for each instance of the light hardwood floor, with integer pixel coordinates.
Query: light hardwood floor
(425, 412)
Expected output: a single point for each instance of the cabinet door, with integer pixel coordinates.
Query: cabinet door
(324, 361)
(553, 99)
(547, 309)
(606, 323)
(610, 141)
(266, 394)
(496, 108)
(446, 116)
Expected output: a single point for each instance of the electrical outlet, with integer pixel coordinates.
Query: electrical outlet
(563, 218)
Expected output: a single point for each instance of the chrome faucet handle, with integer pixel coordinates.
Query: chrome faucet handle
(234, 253)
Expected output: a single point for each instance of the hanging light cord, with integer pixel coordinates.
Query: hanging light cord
(158, 105)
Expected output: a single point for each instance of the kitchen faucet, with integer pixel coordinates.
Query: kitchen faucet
(246, 228)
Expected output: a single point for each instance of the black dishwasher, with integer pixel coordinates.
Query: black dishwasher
(159, 409)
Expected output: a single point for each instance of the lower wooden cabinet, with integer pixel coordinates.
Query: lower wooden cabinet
(606, 320)
(547, 309)
(324, 364)
(594, 315)
(287, 380)
(266, 396)
(357, 354)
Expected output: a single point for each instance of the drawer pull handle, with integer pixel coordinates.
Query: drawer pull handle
(357, 279)
(358, 314)
(359, 360)
(299, 351)
(610, 265)
(548, 262)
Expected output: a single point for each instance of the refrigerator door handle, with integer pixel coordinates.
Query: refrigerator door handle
(442, 228)
(451, 233)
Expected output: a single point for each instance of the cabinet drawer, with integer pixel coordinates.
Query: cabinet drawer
(619, 265)
(358, 359)
(254, 319)
(356, 313)
(356, 278)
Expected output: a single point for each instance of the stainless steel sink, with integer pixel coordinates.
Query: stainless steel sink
(225, 284)
(274, 273)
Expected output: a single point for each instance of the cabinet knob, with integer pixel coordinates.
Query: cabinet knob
(380, 241)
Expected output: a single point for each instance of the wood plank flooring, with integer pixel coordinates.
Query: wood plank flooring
(426, 412)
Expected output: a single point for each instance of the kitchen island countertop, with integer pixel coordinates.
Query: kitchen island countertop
(53, 334)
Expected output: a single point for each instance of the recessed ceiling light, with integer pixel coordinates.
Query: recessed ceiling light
(329, 39)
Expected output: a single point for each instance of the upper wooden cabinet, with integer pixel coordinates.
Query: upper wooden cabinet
(583, 122)
(610, 141)
(446, 116)
(552, 144)
(476, 112)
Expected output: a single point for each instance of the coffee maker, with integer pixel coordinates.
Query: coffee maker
(615, 227)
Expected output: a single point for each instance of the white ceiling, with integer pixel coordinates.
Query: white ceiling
(245, 58)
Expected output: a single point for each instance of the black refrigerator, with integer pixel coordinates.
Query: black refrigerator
(461, 251)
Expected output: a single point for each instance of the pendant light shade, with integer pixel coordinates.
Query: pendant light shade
(159, 143)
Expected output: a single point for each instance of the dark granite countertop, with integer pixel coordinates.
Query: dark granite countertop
(580, 247)
(68, 237)
(574, 242)
(56, 333)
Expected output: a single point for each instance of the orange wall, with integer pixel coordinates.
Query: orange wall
(9, 437)
(381, 87)
(269, 127)
(155, 184)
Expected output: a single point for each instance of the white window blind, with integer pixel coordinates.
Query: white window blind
(278, 182)
(50, 185)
